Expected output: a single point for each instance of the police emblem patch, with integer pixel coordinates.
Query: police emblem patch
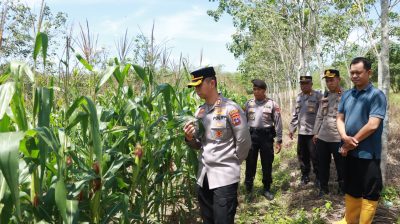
(235, 117)
(218, 134)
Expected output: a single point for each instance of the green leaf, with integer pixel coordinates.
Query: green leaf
(142, 74)
(84, 62)
(107, 74)
(61, 199)
(9, 164)
(72, 211)
(19, 69)
(7, 91)
(41, 42)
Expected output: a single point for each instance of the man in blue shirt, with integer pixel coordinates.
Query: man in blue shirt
(359, 122)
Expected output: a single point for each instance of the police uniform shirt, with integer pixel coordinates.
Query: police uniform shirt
(264, 114)
(224, 145)
(305, 113)
(325, 123)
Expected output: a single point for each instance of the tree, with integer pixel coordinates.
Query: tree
(19, 25)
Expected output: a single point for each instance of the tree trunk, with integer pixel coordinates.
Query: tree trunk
(384, 79)
(3, 18)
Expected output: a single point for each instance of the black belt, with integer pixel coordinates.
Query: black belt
(261, 129)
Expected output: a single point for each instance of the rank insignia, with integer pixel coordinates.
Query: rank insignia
(235, 117)
(201, 112)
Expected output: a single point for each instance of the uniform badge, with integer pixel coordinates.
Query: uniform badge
(201, 112)
(218, 134)
(235, 117)
(252, 116)
(219, 110)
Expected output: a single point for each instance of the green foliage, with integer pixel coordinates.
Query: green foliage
(394, 65)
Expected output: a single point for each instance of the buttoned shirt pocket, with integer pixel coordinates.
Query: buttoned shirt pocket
(325, 107)
(267, 115)
(251, 114)
(219, 130)
(312, 106)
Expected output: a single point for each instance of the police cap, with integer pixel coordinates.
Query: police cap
(305, 78)
(259, 83)
(199, 75)
(330, 73)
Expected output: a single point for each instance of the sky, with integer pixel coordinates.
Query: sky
(183, 25)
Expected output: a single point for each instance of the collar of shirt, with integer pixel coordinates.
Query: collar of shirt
(367, 88)
(260, 102)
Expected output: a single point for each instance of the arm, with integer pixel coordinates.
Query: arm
(349, 142)
(377, 114)
(294, 122)
(240, 132)
(278, 127)
(318, 120)
(368, 129)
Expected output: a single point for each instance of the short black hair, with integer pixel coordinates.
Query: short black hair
(366, 62)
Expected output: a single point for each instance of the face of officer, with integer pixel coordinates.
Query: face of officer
(359, 75)
(206, 88)
(259, 93)
(332, 83)
(306, 87)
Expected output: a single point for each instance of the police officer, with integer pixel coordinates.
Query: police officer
(264, 119)
(303, 118)
(224, 145)
(326, 135)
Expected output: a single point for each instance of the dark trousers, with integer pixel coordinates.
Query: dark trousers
(362, 178)
(217, 206)
(325, 150)
(263, 142)
(306, 152)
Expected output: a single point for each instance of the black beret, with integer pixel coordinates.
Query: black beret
(330, 73)
(305, 78)
(200, 74)
(259, 83)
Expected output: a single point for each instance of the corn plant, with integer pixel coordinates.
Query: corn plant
(116, 157)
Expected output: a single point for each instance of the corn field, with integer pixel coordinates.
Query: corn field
(116, 156)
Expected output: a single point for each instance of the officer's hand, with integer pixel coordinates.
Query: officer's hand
(314, 139)
(278, 148)
(291, 135)
(189, 130)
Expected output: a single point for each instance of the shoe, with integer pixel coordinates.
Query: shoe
(304, 180)
(268, 195)
(352, 210)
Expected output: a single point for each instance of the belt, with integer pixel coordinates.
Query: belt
(261, 129)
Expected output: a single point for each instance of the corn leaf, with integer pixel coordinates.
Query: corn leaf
(9, 164)
(142, 74)
(84, 62)
(61, 199)
(41, 42)
(19, 69)
(107, 74)
(6, 94)
(72, 211)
